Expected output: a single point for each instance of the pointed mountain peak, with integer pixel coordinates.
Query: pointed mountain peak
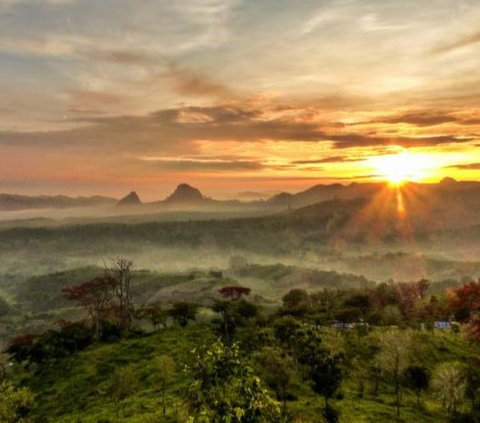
(185, 193)
(131, 199)
(448, 181)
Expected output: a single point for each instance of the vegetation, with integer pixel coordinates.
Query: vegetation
(354, 354)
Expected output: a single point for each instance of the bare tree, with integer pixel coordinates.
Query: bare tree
(120, 269)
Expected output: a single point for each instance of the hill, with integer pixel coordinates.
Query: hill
(131, 199)
(79, 388)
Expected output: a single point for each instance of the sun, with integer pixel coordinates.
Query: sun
(402, 167)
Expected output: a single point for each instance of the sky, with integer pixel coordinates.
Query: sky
(234, 96)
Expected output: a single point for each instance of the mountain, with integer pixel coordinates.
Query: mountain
(320, 193)
(11, 202)
(131, 199)
(185, 194)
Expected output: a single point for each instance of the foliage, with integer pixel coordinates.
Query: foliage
(15, 403)
(449, 382)
(182, 312)
(277, 370)
(418, 379)
(326, 375)
(122, 384)
(225, 388)
(95, 296)
(464, 302)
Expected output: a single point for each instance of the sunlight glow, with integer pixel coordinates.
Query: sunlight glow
(402, 167)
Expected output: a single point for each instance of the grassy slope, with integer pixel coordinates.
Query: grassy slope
(77, 390)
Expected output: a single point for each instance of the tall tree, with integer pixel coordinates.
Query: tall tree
(326, 376)
(120, 269)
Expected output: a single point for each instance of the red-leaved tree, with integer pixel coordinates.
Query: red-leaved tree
(94, 296)
(464, 303)
(233, 292)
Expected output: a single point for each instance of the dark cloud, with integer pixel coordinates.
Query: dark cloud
(332, 159)
(199, 165)
(356, 140)
(468, 166)
(176, 131)
(422, 119)
(460, 43)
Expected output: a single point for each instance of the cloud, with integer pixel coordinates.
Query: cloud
(180, 128)
(458, 44)
(191, 83)
(119, 56)
(418, 119)
(179, 164)
(358, 140)
(331, 159)
(467, 166)
(422, 119)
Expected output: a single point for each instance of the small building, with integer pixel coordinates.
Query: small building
(442, 325)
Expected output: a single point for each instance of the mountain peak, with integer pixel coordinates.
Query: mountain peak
(131, 199)
(185, 193)
(448, 181)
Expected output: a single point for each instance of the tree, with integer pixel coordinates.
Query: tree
(326, 375)
(182, 312)
(224, 388)
(285, 329)
(154, 313)
(122, 384)
(165, 373)
(330, 415)
(277, 370)
(394, 360)
(472, 380)
(464, 303)
(94, 296)
(418, 379)
(234, 311)
(296, 301)
(233, 292)
(120, 269)
(15, 403)
(449, 382)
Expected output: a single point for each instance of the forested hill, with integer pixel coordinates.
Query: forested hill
(327, 223)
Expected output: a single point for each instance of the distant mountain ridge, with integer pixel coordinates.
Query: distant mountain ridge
(186, 196)
(13, 202)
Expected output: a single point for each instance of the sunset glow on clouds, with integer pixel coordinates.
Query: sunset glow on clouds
(108, 96)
